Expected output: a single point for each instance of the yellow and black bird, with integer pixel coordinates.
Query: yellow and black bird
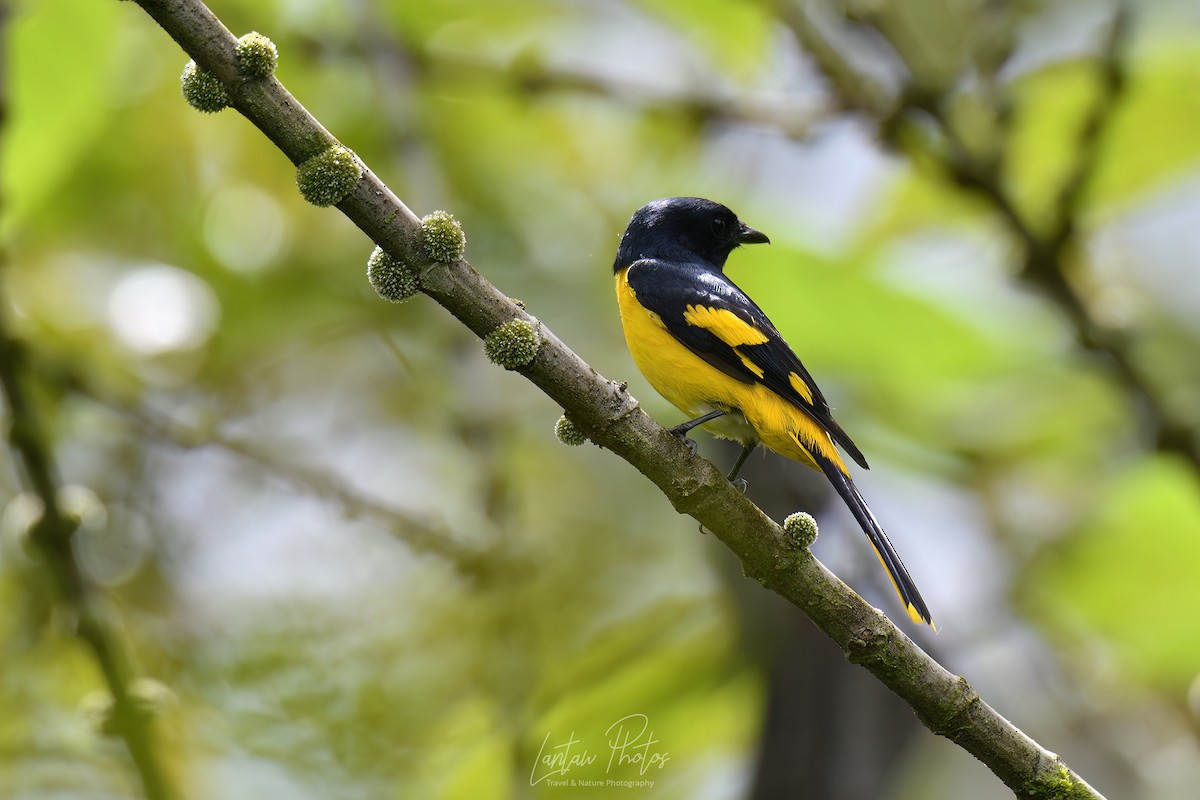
(711, 351)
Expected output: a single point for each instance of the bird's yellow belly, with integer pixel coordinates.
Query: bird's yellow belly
(691, 384)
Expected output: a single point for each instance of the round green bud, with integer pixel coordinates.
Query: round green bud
(443, 236)
(328, 177)
(802, 528)
(393, 280)
(257, 56)
(513, 344)
(202, 90)
(567, 433)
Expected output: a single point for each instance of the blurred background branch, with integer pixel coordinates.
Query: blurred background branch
(91, 616)
(1050, 245)
(418, 533)
(706, 101)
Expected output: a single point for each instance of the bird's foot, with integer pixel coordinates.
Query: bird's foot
(682, 429)
(682, 432)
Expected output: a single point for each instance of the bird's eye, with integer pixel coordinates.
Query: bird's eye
(718, 226)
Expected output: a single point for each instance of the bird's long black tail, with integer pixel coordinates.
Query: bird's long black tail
(905, 586)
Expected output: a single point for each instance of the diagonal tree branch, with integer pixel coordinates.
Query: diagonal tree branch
(610, 417)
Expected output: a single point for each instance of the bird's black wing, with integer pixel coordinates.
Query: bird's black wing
(717, 321)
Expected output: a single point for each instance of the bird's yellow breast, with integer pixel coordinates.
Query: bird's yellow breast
(696, 387)
(675, 372)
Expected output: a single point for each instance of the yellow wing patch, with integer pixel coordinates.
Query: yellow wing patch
(748, 364)
(801, 387)
(725, 325)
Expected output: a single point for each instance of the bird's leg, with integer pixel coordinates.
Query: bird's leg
(682, 429)
(732, 477)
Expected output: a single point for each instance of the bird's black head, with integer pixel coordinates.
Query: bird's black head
(684, 228)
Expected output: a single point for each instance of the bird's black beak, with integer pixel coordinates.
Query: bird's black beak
(748, 235)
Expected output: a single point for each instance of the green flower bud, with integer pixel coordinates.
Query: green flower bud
(202, 90)
(393, 280)
(802, 528)
(513, 344)
(328, 177)
(257, 56)
(567, 433)
(443, 236)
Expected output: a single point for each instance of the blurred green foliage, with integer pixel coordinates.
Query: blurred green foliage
(162, 259)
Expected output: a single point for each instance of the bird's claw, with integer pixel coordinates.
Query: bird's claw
(740, 484)
(682, 434)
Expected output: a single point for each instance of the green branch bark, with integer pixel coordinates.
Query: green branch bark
(611, 418)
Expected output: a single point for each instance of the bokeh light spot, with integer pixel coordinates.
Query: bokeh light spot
(244, 228)
(158, 308)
